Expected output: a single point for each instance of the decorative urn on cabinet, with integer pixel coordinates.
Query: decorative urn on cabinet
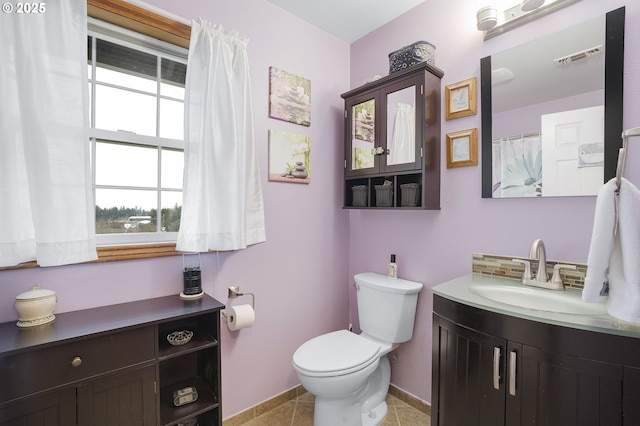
(35, 307)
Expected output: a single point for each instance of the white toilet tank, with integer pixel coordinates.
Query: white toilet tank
(386, 306)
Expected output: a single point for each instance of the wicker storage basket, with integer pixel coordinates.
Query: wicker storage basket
(359, 195)
(410, 195)
(384, 195)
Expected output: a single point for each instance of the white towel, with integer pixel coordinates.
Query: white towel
(613, 265)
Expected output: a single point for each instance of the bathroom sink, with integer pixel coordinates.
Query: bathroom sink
(565, 302)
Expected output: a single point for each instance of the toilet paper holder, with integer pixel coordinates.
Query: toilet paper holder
(234, 292)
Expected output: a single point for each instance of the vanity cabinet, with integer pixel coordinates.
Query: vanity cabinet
(392, 141)
(495, 369)
(113, 365)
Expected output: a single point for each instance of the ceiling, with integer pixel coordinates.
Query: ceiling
(348, 20)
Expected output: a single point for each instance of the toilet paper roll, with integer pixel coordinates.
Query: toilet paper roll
(242, 316)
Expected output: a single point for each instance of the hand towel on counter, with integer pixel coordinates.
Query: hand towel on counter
(613, 265)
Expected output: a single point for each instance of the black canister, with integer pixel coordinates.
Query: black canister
(192, 282)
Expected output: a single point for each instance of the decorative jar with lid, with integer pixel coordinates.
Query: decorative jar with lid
(35, 307)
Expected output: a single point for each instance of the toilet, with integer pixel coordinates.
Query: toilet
(349, 373)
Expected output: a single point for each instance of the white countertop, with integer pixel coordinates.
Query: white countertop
(458, 291)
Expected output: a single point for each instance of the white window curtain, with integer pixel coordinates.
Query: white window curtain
(222, 205)
(46, 211)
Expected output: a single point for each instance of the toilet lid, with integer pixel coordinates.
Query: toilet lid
(336, 353)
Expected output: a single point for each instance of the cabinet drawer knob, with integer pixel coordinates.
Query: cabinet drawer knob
(76, 361)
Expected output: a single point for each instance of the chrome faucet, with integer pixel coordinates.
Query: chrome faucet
(541, 279)
(540, 253)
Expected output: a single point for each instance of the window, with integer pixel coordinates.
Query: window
(174, 32)
(136, 86)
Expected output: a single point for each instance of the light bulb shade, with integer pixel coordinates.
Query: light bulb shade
(529, 5)
(487, 18)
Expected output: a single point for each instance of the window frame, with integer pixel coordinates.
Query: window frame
(162, 27)
(160, 50)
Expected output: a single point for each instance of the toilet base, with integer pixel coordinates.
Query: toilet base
(375, 416)
(366, 407)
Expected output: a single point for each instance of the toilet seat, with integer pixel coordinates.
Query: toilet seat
(335, 354)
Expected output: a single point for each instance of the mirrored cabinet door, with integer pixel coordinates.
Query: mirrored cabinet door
(363, 135)
(402, 134)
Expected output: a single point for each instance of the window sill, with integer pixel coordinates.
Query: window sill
(123, 252)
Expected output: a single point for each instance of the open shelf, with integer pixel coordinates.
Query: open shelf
(171, 415)
(195, 364)
(201, 340)
(367, 196)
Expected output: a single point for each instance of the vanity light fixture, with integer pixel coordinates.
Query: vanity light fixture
(529, 5)
(487, 17)
(495, 20)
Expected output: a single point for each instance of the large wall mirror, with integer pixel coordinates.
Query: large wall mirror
(552, 112)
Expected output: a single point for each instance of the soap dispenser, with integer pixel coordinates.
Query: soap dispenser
(393, 267)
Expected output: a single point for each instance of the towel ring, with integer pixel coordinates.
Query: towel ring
(622, 153)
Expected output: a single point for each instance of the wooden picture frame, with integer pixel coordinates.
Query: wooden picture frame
(462, 148)
(461, 99)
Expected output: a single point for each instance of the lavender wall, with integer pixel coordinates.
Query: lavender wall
(299, 276)
(436, 246)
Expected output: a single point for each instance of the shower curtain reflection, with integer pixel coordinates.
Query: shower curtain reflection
(517, 166)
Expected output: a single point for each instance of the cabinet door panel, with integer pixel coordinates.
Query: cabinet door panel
(566, 390)
(465, 384)
(125, 400)
(362, 135)
(631, 392)
(54, 409)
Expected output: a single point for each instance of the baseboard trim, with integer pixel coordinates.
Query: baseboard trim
(412, 400)
(261, 408)
(268, 405)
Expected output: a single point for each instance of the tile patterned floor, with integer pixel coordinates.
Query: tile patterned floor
(299, 412)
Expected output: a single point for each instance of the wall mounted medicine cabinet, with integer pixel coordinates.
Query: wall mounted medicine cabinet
(392, 141)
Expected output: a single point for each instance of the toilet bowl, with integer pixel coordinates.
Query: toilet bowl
(345, 372)
(349, 373)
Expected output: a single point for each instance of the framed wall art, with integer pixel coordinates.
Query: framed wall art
(460, 99)
(289, 97)
(289, 157)
(462, 148)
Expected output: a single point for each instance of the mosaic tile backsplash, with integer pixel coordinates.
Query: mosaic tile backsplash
(503, 266)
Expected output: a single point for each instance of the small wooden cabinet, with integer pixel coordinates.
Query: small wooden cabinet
(113, 366)
(494, 369)
(392, 141)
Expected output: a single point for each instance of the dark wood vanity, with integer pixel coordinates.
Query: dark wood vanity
(113, 365)
(495, 369)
